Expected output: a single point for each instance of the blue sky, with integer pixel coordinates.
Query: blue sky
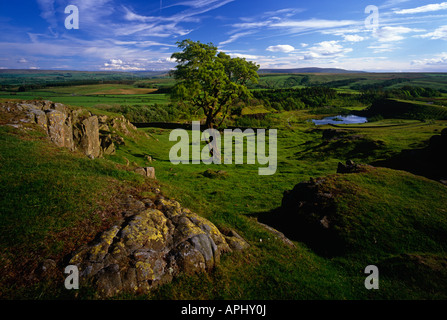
(132, 35)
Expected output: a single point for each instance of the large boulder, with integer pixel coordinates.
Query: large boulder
(60, 129)
(151, 247)
(86, 134)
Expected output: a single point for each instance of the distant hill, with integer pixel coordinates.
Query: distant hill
(404, 109)
(308, 70)
(71, 77)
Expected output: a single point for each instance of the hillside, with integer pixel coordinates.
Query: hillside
(308, 70)
(402, 109)
(378, 216)
(63, 203)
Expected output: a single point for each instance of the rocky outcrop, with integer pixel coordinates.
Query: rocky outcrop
(352, 167)
(155, 243)
(428, 162)
(77, 129)
(153, 240)
(147, 172)
(86, 136)
(308, 212)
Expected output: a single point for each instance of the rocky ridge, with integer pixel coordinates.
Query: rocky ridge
(75, 129)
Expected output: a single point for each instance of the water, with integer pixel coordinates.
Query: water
(349, 119)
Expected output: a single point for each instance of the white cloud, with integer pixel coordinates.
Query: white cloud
(392, 34)
(426, 8)
(242, 55)
(166, 25)
(383, 47)
(353, 38)
(281, 48)
(325, 50)
(47, 11)
(313, 24)
(93, 13)
(202, 3)
(439, 34)
(234, 37)
(140, 44)
(118, 64)
(392, 3)
(249, 25)
(292, 26)
(439, 60)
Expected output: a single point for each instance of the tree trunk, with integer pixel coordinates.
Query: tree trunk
(209, 121)
(212, 145)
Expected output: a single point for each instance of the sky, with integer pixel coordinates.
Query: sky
(135, 35)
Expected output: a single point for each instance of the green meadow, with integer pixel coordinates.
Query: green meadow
(385, 217)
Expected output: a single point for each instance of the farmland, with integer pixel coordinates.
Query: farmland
(386, 217)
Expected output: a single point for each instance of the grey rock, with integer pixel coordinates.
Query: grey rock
(147, 171)
(151, 248)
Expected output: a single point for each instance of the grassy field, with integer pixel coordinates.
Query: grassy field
(20, 77)
(52, 201)
(386, 217)
(92, 95)
(347, 81)
(271, 270)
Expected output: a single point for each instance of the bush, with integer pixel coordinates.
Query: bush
(151, 113)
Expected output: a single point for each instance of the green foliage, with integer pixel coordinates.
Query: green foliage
(295, 99)
(150, 113)
(266, 121)
(379, 85)
(211, 81)
(402, 109)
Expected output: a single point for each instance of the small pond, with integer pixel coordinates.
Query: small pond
(349, 119)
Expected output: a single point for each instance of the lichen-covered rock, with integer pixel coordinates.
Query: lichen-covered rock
(122, 125)
(107, 145)
(148, 172)
(235, 241)
(76, 129)
(151, 247)
(86, 134)
(60, 129)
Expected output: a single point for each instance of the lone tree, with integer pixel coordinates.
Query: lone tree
(211, 80)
